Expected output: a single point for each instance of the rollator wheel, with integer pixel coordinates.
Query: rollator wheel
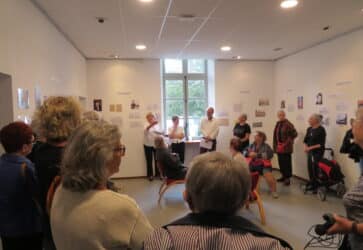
(341, 190)
(322, 193)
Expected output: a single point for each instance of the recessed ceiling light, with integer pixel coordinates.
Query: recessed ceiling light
(146, 1)
(287, 4)
(226, 48)
(237, 57)
(326, 28)
(114, 56)
(277, 49)
(140, 47)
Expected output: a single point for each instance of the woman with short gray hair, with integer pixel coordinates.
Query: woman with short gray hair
(217, 187)
(84, 214)
(314, 146)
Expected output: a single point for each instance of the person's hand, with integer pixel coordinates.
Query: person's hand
(306, 149)
(341, 225)
(252, 154)
(155, 122)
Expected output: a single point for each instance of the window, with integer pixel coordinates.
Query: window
(185, 93)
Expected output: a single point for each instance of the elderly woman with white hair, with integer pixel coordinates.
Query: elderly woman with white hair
(213, 223)
(84, 214)
(314, 146)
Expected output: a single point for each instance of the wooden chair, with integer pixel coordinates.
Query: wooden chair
(167, 183)
(255, 196)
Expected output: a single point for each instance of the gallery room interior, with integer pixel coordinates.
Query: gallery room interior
(133, 63)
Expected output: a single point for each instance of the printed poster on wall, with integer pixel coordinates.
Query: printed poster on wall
(300, 102)
(342, 119)
(319, 99)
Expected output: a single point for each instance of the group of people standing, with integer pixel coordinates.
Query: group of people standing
(283, 144)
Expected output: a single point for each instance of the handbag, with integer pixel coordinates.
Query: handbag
(280, 148)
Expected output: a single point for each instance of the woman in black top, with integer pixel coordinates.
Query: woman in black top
(314, 145)
(242, 131)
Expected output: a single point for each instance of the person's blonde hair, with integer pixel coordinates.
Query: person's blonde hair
(90, 116)
(57, 118)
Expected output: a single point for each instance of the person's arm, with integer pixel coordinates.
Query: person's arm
(202, 129)
(214, 133)
(151, 125)
(343, 225)
(142, 229)
(247, 134)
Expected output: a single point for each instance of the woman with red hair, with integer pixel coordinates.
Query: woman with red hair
(20, 226)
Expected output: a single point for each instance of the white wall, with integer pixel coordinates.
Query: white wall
(244, 83)
(34, 53)
(335, 69)
(116, 81)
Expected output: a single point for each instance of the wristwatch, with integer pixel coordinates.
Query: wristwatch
(354, 227)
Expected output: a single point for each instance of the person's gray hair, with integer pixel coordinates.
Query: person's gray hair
(216, 183)
(244, 115)
(159, 142)
(87, 153)
(317, 117)
(281, 111)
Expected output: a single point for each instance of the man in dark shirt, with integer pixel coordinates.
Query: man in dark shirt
(242, 131)
(314, 146)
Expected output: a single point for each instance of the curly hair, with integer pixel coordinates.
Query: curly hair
(57, 118)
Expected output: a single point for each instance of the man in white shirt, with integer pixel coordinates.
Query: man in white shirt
(210, 129)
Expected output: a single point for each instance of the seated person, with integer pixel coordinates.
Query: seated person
(168, 162)
(259, 155)
(234, 148)
(213, 223)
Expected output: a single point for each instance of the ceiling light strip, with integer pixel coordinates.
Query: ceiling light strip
(122, 23)
(164, 20)
(200, 27)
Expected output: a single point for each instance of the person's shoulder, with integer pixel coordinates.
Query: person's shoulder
(266, 242)
(160, 238)
(119, 200)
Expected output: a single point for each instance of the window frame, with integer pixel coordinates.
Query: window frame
(185, 77)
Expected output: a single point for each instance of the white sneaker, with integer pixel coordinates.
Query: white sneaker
(275, 195)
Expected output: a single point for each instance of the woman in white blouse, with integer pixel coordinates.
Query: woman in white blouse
(176, 136)
(151, 130)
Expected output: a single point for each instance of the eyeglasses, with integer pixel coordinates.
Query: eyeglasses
(121, 149)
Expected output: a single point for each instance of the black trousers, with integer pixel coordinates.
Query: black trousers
(285, 165)
(179, 148)
(24, 242)
(313, 159)
(149, 155)
(214, 147)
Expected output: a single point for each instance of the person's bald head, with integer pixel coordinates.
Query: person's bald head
(210, 112)
(281, 115)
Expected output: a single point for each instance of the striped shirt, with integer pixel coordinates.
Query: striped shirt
(184, 237)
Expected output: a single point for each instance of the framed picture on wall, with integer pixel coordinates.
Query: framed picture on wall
(319, 99)
(97, 105)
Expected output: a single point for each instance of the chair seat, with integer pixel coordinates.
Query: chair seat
(170, 181)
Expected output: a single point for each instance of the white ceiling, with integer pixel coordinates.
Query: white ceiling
(253, 28)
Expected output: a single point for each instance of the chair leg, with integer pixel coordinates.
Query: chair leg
(162, 193)
(261, 210)
(162, 186)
